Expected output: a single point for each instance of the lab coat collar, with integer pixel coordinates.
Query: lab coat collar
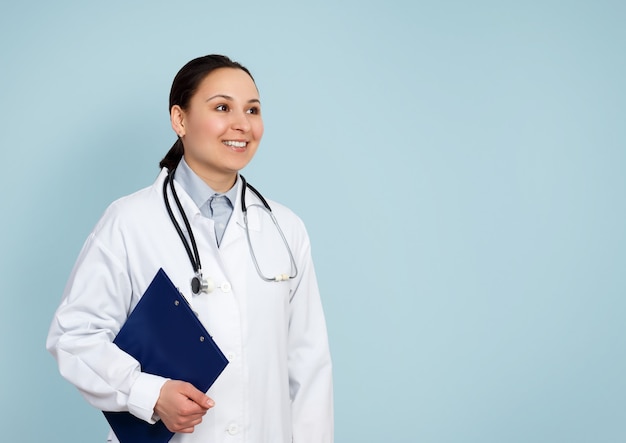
(190, 208)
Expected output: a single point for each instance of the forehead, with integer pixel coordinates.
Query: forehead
(228, 81)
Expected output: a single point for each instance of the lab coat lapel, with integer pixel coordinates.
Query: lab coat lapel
(236, 228)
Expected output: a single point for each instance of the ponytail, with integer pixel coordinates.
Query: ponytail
(173, 156)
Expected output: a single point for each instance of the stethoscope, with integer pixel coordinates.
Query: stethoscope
(200, 284)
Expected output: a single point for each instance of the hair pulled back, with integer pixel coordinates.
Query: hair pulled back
(184, 86)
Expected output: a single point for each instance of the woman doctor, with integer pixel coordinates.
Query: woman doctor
(277, 387)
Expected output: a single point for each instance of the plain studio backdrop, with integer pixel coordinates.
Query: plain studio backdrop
(460, 166)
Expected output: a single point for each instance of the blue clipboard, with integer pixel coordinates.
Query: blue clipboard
(167, 338)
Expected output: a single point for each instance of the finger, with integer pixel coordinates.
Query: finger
(190, 410)
(187, 425)
(197, 396)
(184, 422)
(186, 430)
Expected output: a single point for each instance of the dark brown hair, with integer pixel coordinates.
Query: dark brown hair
(184, 87)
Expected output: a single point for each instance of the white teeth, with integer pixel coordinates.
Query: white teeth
(235, 144)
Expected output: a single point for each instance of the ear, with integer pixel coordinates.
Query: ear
(177, 118)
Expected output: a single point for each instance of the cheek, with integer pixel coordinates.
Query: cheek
(215, 127)
(209, 127)
(257, 130)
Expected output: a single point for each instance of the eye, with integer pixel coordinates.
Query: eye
(221, 108)
(254, 110)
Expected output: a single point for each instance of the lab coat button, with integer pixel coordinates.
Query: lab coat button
(233, 429)
(225, 287)
(230, 356)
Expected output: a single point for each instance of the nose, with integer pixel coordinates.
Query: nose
(240, 121)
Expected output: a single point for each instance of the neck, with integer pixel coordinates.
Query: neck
(219, 186)
(218, 181)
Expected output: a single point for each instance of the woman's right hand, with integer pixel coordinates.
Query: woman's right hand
(181, 406)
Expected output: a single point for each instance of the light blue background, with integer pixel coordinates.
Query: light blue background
(461, 167)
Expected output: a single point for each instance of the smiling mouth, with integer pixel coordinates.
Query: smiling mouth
(235, 144)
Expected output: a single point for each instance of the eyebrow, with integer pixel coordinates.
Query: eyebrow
(228, 97)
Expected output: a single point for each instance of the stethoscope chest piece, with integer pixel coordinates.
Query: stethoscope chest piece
(200, 285)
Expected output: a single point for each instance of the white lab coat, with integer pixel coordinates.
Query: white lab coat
(277, 386)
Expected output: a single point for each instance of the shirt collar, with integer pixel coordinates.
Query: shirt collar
(197, 188)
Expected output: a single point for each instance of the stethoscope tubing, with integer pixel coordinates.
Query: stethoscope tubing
(266, 207)
(198, 283)
(195, 258)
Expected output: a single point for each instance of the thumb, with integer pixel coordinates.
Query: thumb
(197, 396)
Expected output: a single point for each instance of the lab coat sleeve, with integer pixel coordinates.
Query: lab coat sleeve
(310, 369)
(94, 307)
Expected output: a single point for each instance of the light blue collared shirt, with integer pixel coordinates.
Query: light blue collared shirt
(216, 206)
